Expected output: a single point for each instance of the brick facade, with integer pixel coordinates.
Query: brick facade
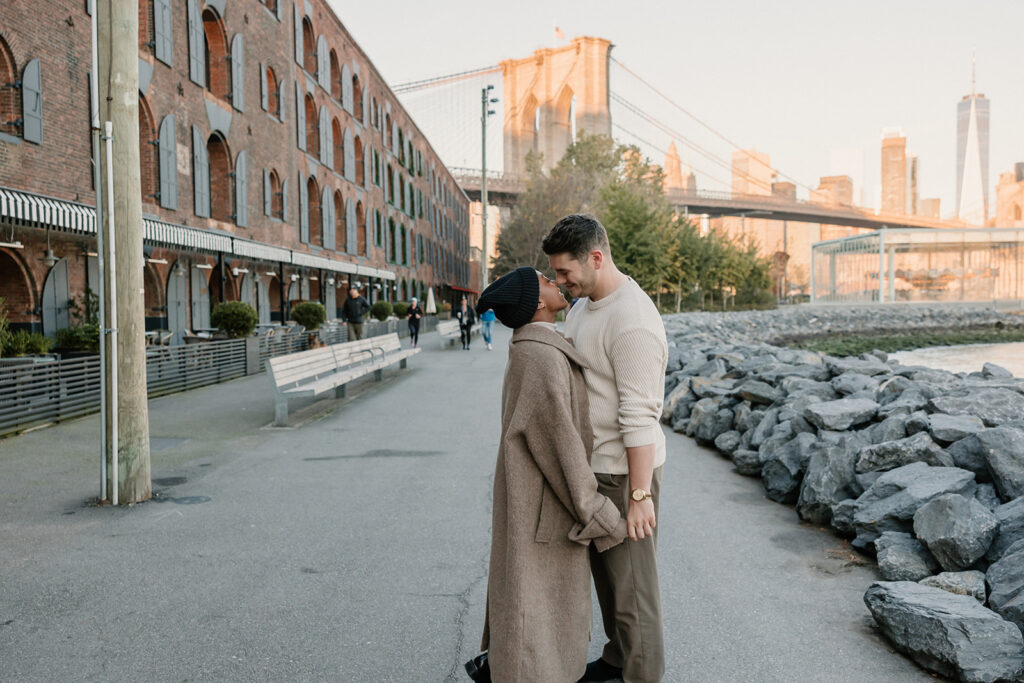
(420, 197)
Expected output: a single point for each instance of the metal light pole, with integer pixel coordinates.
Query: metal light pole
(485, 101)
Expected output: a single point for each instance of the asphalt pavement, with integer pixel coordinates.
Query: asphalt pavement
(353, 546)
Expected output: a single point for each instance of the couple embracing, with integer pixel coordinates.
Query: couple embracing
(576, 486)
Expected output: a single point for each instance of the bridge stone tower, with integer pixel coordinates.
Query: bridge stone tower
(552, 95)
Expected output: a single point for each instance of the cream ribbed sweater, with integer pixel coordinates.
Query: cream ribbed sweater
(622, 337)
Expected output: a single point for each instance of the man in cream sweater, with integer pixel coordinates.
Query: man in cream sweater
(619, 332)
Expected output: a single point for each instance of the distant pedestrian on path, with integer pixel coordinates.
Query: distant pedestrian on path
(487, 327)
(620, 335)
(353, 310)
(415, 313)
(546, 509)
(467, 318)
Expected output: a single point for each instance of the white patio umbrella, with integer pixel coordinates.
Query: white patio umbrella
(431, 307)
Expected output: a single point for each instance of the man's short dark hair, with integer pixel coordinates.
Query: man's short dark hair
(577, 234)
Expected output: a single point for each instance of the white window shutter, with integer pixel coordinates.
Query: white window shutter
(346, 88)
(327, 218)
(350, 156)
(264, 88)
(303, 211)
(200, 174)
(323, 64)
(324, 130)
(284, 200)
(163, 24)
(297, 15)
(268, 198)
(196, 45)
(300, 115)
(238, 73)
(167, 148)
(32, 102)
(241, 191)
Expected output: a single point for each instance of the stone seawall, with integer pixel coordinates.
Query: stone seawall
(921, 467)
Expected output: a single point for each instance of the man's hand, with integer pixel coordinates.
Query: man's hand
(640, 521)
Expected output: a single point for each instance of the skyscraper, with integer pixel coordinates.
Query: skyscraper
(894, 172)
(972, 156)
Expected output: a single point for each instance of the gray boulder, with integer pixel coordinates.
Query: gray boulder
(800, 386)
(993, 406)
(957, 530)
(987, 496)
(781, 474)
(969, 454)
(842, 517)
(1011, 528)
(829, 479)
(993, 371)
(949, 634)
(747, 462)
(892, 454)
(892, 388)
(892, 428)
(916, 422)
(765, 427)
(909, 402)
(1006, 585)
(860, 366)
(852, 382)
(949, 428)
(842, 414)
(728, 442)
(1004, 452)
(901, 557)
(680, 394)
(704, 387)
(759, 392)
(740, 414)
(890, 503)
(970, 583)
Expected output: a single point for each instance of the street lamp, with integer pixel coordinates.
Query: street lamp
(485, 102)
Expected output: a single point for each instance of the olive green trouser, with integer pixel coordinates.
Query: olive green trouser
(626, 579)
(355, 331)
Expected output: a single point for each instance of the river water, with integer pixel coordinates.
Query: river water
(968, 358)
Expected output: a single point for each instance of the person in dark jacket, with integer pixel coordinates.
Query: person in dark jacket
(467, 318)
(353, 310)
(415, 313)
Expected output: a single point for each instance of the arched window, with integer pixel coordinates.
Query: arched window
(1016, 212)
(357, 98)
(276, 203)
(146, 25)
(340, 220)
(221, 201)
(273, 93)
(309, 44)
(358, 155)
(218, 66)
(391, 240)
(389, 180)
(336, 71)
(315, 219)
(270, 4)
(360, 229)
(149, 166)
(10, 99)
(339, 147)
(387, 131)
(312, 127)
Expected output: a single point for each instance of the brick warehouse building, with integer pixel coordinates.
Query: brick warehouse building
(276, 166)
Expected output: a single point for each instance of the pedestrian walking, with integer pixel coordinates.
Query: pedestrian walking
(487, 327)
(415, 313)
(546, 509)
(620, 335)
(353, 310)
(467, 318)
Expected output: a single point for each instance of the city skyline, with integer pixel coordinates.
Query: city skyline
(820, 79)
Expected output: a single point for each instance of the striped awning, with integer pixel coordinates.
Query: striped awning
(33, 210)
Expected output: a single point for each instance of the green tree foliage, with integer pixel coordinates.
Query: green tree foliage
(309, 314)
(237, 319)
(650, 241)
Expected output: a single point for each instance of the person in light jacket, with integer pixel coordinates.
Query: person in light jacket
(546, 510)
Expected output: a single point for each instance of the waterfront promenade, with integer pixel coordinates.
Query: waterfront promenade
(353, 547)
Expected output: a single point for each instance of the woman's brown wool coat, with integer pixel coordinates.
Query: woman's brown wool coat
(546, 512)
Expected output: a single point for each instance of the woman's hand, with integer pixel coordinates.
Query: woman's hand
(640, 519)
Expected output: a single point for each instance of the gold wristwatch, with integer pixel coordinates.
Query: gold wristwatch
(640, 495)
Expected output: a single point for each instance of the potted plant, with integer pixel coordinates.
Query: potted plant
(83, 337)
(311, 315)
(236, 319)
(446, 311)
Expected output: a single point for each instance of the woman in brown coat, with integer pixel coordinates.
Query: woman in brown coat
(546, 506)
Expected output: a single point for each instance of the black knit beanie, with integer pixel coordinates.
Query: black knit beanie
(513, 297)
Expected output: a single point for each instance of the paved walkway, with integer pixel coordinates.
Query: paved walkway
(354, 548)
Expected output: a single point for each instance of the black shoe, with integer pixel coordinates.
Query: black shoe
(479, 669)
(600, 670)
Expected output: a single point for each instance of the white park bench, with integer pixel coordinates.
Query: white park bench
(448, 331)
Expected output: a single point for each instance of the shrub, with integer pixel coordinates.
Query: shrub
(84, 337)
(446, 306)
(235, 318)
(309, 314)
(39, 344)
(401, 309)
(381, 310)
(17, 343)
(5, 329)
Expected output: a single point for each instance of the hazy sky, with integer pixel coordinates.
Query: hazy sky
(794, 78)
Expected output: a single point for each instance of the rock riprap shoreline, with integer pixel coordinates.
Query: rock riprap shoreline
(921, 467)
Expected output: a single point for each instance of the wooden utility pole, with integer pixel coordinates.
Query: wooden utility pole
(118, 80)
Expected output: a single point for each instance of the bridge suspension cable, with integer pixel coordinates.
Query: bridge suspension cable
(668, 130)
(703, 173)
(436, 81)
(707, 126)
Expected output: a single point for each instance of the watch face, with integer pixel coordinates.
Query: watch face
(638, 495)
